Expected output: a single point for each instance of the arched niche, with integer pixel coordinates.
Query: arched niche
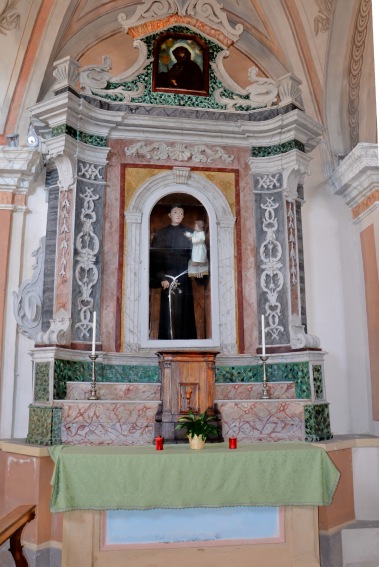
(136, 274)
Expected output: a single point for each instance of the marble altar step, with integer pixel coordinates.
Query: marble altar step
(270, 420)
(115, 391)
(124, 414)
(253, 391)
(104, 422)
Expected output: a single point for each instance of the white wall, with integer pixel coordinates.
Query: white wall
(336, 302)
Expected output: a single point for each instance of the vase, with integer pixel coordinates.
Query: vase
(196, 442)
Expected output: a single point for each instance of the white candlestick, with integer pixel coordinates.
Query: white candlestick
(94, 332)
(263, 337)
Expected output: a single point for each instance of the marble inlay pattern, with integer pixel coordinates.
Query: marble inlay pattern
(318, 382)
(79, 371)
(262, 420)
(41, 381)
(131, 392)
(297, 372)
(108, 423)
(278, 390)
(40, 425)
(317, 422)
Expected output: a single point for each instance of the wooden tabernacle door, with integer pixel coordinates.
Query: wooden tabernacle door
(187, 383)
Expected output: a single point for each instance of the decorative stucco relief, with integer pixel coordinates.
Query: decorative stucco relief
(178, 152)
(324, 16)
(262, 93)
(27, 301)
(9, 18)
(208, 12)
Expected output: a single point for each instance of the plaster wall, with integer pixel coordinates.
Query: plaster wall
(336, 303)
(17, 366)
(365, 474)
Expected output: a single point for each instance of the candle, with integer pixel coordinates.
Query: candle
(263, 337)
(94, 332)
(233, 442)
(159, 443)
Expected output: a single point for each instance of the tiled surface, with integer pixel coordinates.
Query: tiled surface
(296, 372)
(40, 425)
(317, 422)
(262, 420)
(41, 381)
(108, 423)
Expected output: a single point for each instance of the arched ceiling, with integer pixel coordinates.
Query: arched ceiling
(312, 39)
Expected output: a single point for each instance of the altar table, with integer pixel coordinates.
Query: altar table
(139, 477)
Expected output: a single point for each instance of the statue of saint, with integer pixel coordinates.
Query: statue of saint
(170, 253)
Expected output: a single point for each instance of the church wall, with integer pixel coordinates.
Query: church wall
(335, 302)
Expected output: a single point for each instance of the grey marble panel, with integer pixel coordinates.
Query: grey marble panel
(86, 286)
(50, 248)
(272, 265)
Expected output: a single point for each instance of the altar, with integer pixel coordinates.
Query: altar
(288, 480)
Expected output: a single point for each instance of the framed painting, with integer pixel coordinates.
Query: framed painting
(181, 65)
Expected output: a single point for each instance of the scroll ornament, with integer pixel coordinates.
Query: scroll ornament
(298, 337)
(59, 332)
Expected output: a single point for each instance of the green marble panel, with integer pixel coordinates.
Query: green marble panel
(41, 381)
(297, 372)
(56, 434)
(91, 139)
(79, 371)
(318, 382)
(40, 425)
(125, 373)
(317, 422)
(266, 151)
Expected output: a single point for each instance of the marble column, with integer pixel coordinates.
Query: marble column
(278, 194)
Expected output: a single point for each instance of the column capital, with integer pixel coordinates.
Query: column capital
(284, 172)
(356, 180)
(19, 168)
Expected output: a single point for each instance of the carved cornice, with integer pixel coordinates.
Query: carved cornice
(357, 177)
(19, 168)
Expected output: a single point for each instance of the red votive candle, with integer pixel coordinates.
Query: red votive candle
(159, 443)
(233, 442)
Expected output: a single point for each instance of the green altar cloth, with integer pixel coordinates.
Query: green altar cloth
(139, 477)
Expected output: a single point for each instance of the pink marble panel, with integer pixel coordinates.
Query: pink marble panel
(112, 391)
(253, 391)
(108, 423)
(263, 420)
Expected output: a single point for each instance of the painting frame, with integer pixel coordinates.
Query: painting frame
(181, 64)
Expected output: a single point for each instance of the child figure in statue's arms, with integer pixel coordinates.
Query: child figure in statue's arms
(198, 265)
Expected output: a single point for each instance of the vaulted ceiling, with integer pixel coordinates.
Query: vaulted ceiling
(327, 44)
